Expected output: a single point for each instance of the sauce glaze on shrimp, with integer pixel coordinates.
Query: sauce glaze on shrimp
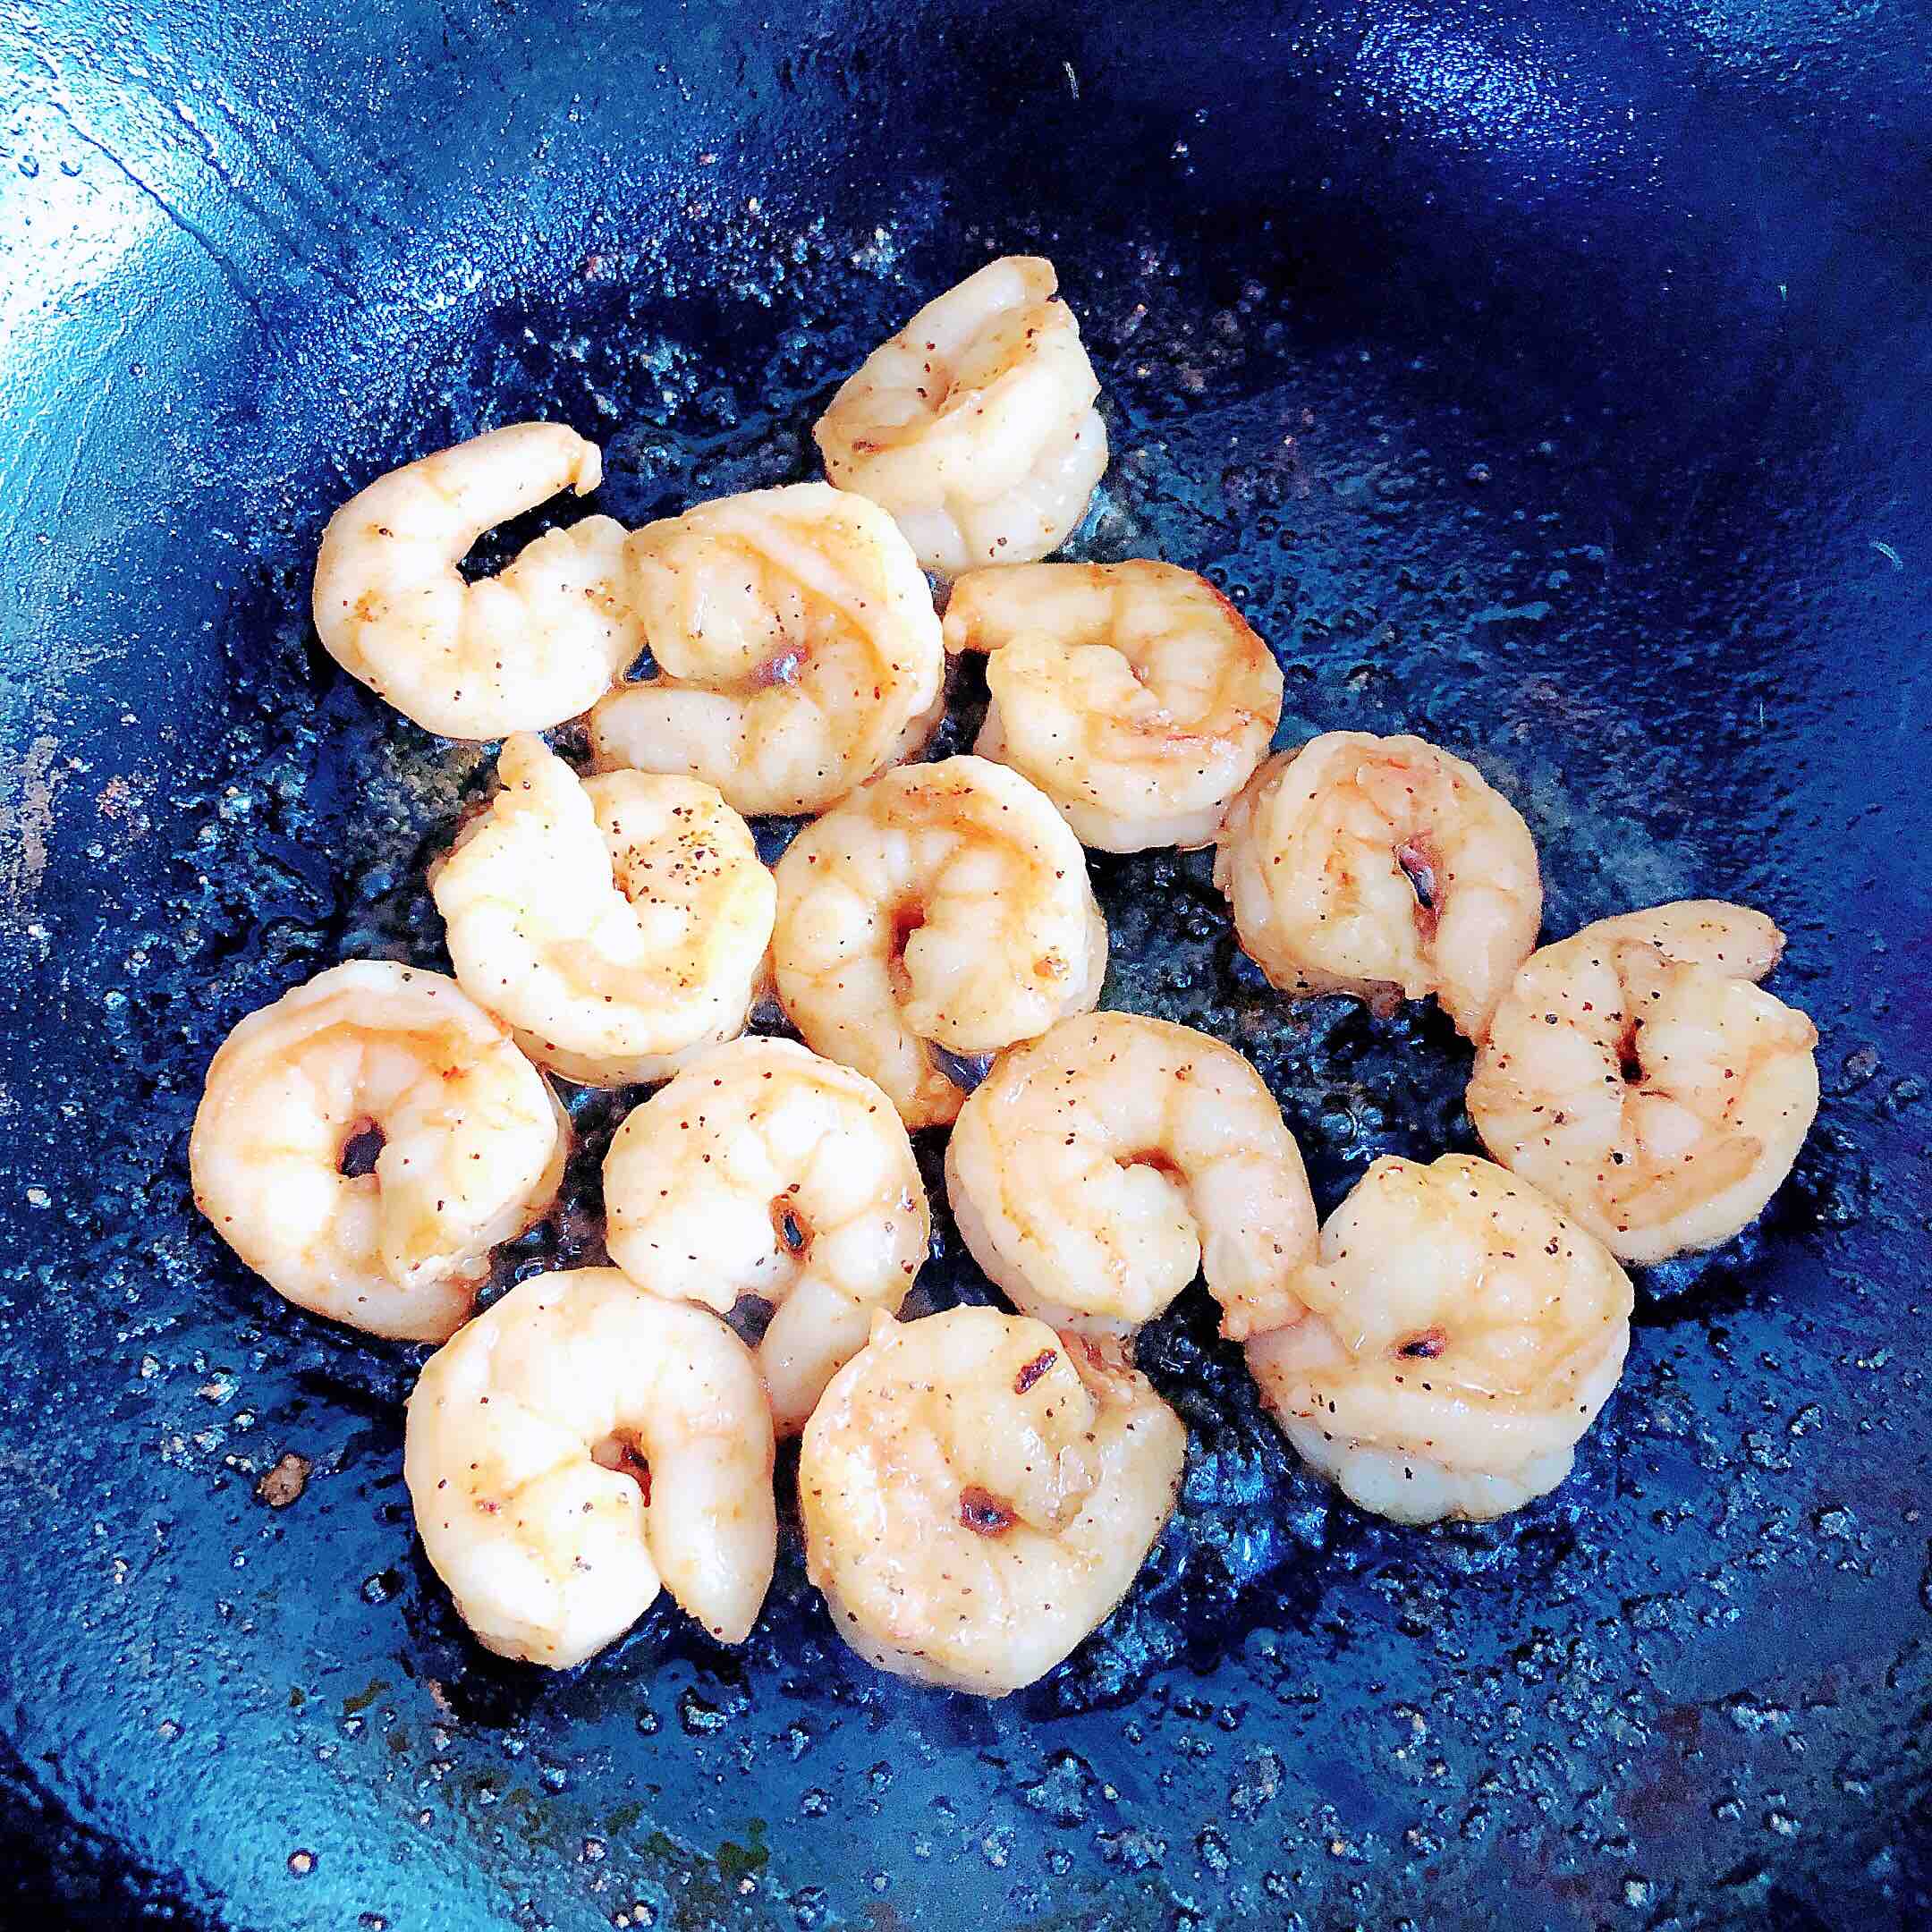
(1462, 1334)
(525, 650)
(797, 649)
(945, 906)
(364, 1143)
(1637, 1074)
(978, 1494)
(619, 924)
(1134, 695)
(974, 426)
(1385, 868)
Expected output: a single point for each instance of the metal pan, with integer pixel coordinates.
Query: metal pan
(1552, 380)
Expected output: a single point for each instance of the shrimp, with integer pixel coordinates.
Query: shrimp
(762, 1170)
(978, 1495)
(1383, 867)
(943, 906)
(619, 925)
(975, 425)
(1462, 1335)
(797, 649)
(364, 1142)
(580, 1444)
(1636, 1074)
(1134, 695)
(1099, 1167)
(540, 641)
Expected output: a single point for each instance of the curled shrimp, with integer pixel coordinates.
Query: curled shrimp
(1462, 1335)
(1385, 868)
(945, 906)
(365, 1141)
(539, 642)
(975, 425)
(618, 925)
(1097, 1169)
(581, 1444)
(763, 1171)
(1134, 695)
(797, 649)
(1636, 1074)
(979, 1495)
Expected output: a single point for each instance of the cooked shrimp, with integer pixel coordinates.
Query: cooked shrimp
(619, 925)
(797, 648)
(945, 905)
(763, 1171)
(579, 1444)
(978, 1495)
(364, 1142)
(975, 425)
(1462, 1335)
(1098, 1168)
(1385, 868)
(1637, 1075)
(540, 641)
(1134, 695)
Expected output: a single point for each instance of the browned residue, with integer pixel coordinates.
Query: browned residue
(984, 1513)
(282, 1485)
(27, 781)
(1033, 1371)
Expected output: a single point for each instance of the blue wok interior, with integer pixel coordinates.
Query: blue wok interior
(1550, 380)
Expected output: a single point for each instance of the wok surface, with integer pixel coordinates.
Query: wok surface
(1552, 381)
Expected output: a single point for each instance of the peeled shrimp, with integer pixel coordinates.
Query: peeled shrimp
(975, 425)
(1098, 1168)
(797, 649)
(1462, 1334)
(1385, 868)
(978, 1495)
(580, 1444)
(944, 905)
(1134, 695)
(540, 641)
(619, 925)
(1637, 1075)
(364, 1142)
(762, 1170)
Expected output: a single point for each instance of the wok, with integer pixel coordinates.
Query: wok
(1552, 380)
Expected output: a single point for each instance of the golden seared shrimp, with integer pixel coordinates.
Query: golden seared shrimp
(1635, 1074)
(978, 1494)
(1098, 1168)
(580, 1444)
(539, 642)
(1385, 868)
(1462, 1334)
(943, 906)
(762, 1170)
(619, 925)
(364, 1142)
(975, 425)
(797, 649)
(1134, 695)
